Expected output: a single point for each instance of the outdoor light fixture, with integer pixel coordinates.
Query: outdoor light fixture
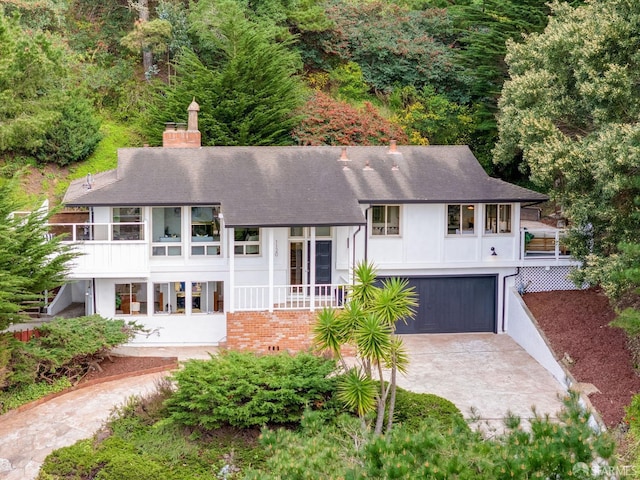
(493, 252)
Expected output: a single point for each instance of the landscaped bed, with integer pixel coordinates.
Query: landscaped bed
(576, 323)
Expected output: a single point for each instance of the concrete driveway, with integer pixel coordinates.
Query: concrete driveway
(490, 373)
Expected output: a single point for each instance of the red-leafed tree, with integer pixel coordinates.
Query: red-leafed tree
(331, 122)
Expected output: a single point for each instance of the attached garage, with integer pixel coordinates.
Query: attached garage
(454, 305)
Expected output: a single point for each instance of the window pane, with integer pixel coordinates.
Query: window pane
(174, 251)
(505, 218)
(131, 298)
(491, 219)
(468, 215)
(296, 232)
(323, 231)
(393, 220)
(127, 215)
(205, 224)
(158, 251)
(378, 220)
(238, 249)
(213, 250)
(453, 219)
(197, 250)
(166, 224)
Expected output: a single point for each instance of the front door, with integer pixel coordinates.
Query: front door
(323, 262)
(300, 262)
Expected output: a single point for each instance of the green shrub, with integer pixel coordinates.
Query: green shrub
(318, 448)
(67, 347)
(19, 396)
(246, 390)
(413, 408)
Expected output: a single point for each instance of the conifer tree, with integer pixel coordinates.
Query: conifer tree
(30, 260)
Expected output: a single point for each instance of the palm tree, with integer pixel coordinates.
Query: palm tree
(368, 324)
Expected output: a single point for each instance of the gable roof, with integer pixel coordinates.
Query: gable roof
(285, 186)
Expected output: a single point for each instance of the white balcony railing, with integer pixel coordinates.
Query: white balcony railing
(289, 297)
(539, 243)
(99, 232)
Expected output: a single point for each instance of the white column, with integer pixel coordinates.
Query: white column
(271, 252)
(232, 268)
(312, 269)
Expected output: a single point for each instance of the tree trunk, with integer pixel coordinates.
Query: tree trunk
(382, 400)
(392, 399)
(143, 16)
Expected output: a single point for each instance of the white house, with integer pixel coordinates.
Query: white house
(242, 245)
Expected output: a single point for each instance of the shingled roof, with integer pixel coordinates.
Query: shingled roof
(285, 186)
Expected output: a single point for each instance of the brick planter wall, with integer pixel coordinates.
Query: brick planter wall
(268, 332)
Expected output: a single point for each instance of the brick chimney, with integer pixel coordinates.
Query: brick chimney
(179, 135)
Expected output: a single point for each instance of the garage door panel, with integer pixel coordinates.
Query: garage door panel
(453, 305)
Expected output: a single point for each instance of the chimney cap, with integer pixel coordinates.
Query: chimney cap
(194, 107)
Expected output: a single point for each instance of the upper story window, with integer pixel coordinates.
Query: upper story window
(461, 219)
(205, 230)
(385, 220)
(166, 226)
(127, 223)
(247, 241)
(497, 218)
(305, 232)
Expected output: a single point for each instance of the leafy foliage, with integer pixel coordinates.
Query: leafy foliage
(392, 44)
(412, 409)
(67, 348)
(41, 113)
(326, 121)
(569, 114)
(431, 119)
(245, 390)
(16, 397)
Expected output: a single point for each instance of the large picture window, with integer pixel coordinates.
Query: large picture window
(169, 297)
(167, 231)
(247, 241)
(206, 297)
(385, 220)
(127, 223)
(205, 230)
(461, 219)
(131, 299)
(497, 218)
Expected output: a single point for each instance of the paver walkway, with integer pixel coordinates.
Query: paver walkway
(26, 438)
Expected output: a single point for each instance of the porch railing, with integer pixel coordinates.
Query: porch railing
(539, 243)
(289, 297)
(99, 232)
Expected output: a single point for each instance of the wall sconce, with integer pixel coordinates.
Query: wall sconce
(493, 252)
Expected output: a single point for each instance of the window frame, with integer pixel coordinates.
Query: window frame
(131, 229)
(499, 208)
(245, 245)
(458, 230)
(180, 292)
(384, 230)
(210, 228)
(167, 244)
(130, 292)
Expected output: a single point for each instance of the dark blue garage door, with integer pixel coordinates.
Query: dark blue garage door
(453, 305)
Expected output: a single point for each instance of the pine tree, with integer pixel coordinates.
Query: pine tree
(30, 261)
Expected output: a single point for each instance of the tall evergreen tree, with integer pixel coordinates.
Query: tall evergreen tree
(248, 88)
(30, 261)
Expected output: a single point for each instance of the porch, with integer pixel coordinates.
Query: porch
(255, 298)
